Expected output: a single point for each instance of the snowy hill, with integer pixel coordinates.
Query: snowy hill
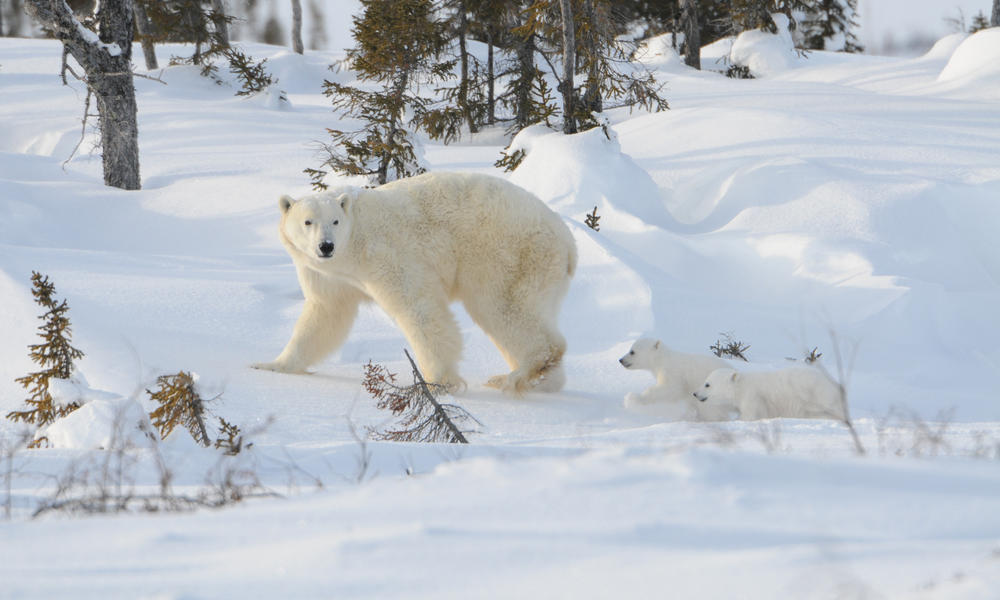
(851, 194)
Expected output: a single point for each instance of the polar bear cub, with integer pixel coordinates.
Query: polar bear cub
(796, 392)
(678, 375)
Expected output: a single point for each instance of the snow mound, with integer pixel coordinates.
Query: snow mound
(945, 47)
(975, 59)
(103, 421)
(575, 173)
(659, 53)
(75, 390)
(765, 54)
(100, 424)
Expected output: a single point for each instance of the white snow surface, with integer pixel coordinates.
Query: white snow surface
(851, 194)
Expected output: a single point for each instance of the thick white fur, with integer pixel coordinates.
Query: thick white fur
(678, 376)
(797, 392)
(415, 245)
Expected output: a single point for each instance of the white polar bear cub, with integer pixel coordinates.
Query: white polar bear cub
(678, 376)
(415, 245)
(797, 392)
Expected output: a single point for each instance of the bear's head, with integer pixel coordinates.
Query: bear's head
(642, 354)
(719, 387)
(317, 225)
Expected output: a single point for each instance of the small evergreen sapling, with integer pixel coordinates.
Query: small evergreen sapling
(729, 347)
(251, 75)
(979, 22)
(230, 438)
(510, 161)
(55, 355)
(179, 404)
(592, 219)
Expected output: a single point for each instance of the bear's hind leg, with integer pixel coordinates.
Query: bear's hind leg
(532, 346)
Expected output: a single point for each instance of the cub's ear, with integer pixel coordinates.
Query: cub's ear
(285, 202)
(656, 346)
(735, 377)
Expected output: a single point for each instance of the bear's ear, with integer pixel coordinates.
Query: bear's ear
(735, 376)
(348, 198)
(285, 202)
(656, 346)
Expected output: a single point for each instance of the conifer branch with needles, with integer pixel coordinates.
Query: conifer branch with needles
(422, 418)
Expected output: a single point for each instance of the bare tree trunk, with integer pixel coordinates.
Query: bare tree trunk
(995, 18)
(692, 33)
(491, 102)
(148, 48)
(592, 100)
(221, 27)
(392, 127)
(569, 65)
(463, 84)
(297, 46)
(108, 73)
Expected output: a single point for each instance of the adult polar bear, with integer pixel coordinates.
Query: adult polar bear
(415, 245)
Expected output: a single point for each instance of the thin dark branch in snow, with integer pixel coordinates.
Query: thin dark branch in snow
(83, 126)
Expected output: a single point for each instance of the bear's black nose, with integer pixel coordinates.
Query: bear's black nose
(326, 248)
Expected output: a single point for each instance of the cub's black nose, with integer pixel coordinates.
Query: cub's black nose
(326, 248)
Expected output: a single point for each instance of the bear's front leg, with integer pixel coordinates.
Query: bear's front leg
(321, 329)
(423, 315)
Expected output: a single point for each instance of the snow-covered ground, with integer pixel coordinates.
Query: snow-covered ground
(851, 195)
(910, 26)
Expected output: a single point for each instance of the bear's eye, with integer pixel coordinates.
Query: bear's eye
(631, 352)
(308, 223)
(707, 385)
(336, 222)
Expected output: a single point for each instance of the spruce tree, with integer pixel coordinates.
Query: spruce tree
(756, 14)
(599, 50)
(200, 22)
(828, 19)
(397, 47)
(979, 22)
(527, 95)
(55, 355)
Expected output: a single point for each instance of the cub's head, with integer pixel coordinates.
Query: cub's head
(317, 225)
(719, 387)
(642, 354)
